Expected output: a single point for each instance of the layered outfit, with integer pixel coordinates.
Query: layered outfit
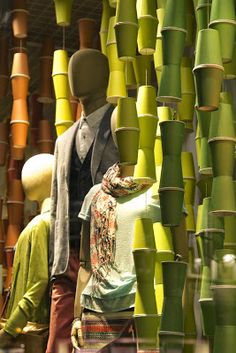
(112, 208)
(29, 299)
(82, 155)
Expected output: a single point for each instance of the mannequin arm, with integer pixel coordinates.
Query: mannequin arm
(84, 275)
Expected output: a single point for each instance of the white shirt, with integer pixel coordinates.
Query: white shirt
(88, 126)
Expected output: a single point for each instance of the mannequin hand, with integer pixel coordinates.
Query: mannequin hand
(5, 339)
(77, 334)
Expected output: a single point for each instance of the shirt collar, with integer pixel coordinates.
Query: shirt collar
(95, 117)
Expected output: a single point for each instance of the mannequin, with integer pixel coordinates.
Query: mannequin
(82, 155)
(29, 296)
(115, 292)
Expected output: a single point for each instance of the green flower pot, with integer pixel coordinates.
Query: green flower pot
(210, 223)
(170, 322)
(144, 261)
(111, 37)
(175, 14)
(211, 242)
(171, 342)
(163, 238)
(128, 142)
(224, 339)
(63, 10)
(147, 331)
(103, 41)
(223, 267)
(159, 297)
(204, 185)
(172, 54)
(127, 113)
(130, 76)
(186, 107)
(203, 14)
(220, 10)
(145, 171)
(172, 131)
(143, 69)
(161, 256)
(190, 328)
(126, 11)
(147, 34)
(146, 101)
(222, 122)
(224, 298)
(148, 126)
(198, 145)
(143, 234)
(207, 316)
(126, 39)
(205, 166)
(181, 239)
(145, 8)
(174, 275)
(230, 226)
(223, 198)
(107, 12)
(208, 81)
(189, 191)
(164, 113)
(190, 27)
(190, 220)
(161, 4)
(187, 165)
(114, 63)
(222, 152)
(145, 300)
(171, 203)
(170, 85)
(60, 62)
(204, 119)
(116, 87)
(171, 173)
(226, 30)
(230, 68)
(158, 56)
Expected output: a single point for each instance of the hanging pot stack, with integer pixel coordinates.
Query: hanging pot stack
(223, 20)
(203, 11)
(171, 190)
(208, 70)
(186, 106)
(20, 19)
(158, 61)
(19, 115)
(172, 326)
(87, 31)
(116, 85)
(147, 20)
(147, 117)
(127, 131)
(126, 29)
(4, 74)
(164, 248)
(163, 114)
(143, 69)
(63, 118)
(45, 140)
(145, 309)
(205, 162)
(224, 295)
(173, 31)
(63, 9)
(222, 145)
(189, 188)
(45, 84)
(107, 12)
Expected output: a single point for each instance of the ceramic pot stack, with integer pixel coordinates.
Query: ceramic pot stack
(171, 191)
(116, 86)
(173, 31)
(19, 115)
(63, 115)
(46, 59)
(145, 309)
(147, 117)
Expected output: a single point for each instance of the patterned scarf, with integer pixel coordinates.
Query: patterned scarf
(103, 220)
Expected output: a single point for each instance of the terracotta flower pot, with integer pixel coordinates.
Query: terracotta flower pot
(20, 65)
(45, 140)
(20, 23)
(20, 86)
(87, 31)
(46, 85)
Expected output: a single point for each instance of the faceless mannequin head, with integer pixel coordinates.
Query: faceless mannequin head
(88, 73)
(37, 175)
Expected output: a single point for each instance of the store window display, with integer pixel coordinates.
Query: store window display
(82, 155)
(29, 297)
(107, 299)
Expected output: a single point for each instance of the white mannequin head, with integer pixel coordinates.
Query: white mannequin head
(37, 176)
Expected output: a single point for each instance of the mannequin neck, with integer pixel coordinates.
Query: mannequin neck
(126, 171)
(92, 103)
(44, 204)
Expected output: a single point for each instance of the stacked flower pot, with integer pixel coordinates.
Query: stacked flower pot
(127, 131)
(205, 162)
(63, 118)
(203, 11)
(171, 191)
(173, 31)
(158, 61)
(116, 86)
(143, 70)
(147, 116)
(147, 20)
(107, 12)
(145, 309)
(63, 9)
(222, 145)
(45, 84)
(19, 115)
(20, 19)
